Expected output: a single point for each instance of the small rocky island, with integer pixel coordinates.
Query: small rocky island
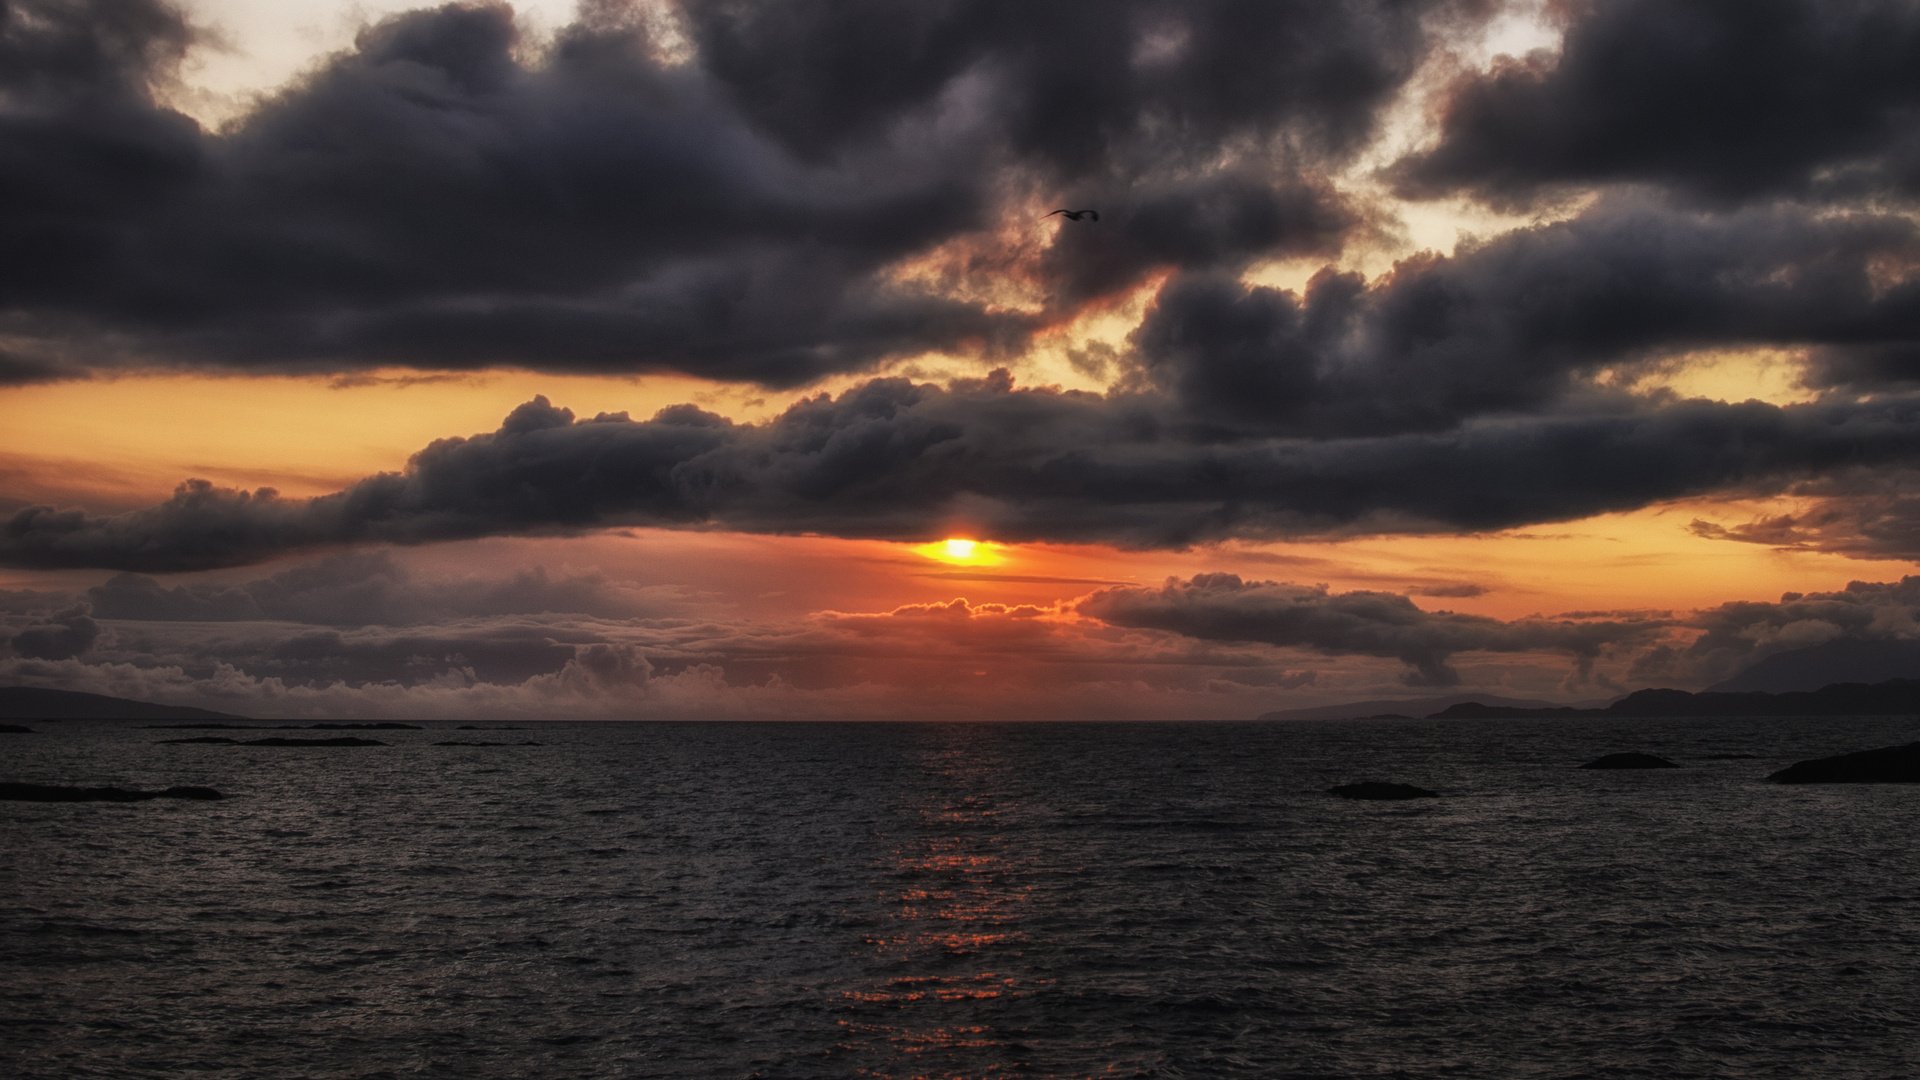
(1630, 761)
(1377, 790)
(15, 792)
(271, 740)
(1886, 765)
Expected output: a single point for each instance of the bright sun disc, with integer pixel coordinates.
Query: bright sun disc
(961, 551)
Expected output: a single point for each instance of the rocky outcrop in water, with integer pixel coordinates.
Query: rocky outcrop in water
(1887, 765)
(1630, 761)
(271, 740)
(1374, 789)
(57, 793)
(468, 742)
(382, 725)
(15, 729)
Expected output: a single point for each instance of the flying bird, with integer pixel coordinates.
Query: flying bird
(1076, 215)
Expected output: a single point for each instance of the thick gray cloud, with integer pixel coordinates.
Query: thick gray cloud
(1223, 607)
(450, 195)
(1725, 100)
(1863, 626)
(60, 636)
(430, 198)
(1862, 513)
(1514, 323)
(892, 459)
(358, 589)
(1079, 91)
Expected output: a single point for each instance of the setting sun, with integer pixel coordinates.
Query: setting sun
(961, 551)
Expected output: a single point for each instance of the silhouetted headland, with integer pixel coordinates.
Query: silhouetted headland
(54, 793)
(1887, 765)
(15, 729)
(38, 703)
(1374, 789)
(1891, 698)
(1395, 708)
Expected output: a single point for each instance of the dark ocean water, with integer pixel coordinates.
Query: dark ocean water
(633, 900)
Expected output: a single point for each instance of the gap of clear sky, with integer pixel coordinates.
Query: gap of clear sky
(643, 359)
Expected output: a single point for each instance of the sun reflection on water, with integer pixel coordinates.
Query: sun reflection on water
(954, 906)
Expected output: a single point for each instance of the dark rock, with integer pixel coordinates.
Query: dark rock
(57, 793)
(280, 740)
(1630, 761)
(190, 791)
(15, 729)
(272, 740)
(1887, 765)
(383, 725)
(464, 742)
(1374, 789)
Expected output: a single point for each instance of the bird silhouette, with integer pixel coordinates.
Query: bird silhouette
(1076, 215)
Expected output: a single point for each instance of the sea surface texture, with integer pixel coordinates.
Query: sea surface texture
(968, 900)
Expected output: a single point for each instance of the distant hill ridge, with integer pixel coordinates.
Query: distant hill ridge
(1890, 698)
(1843, 660)
(1410, 707)
(37, 703)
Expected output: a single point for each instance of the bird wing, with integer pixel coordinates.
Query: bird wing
(1094, 214)
(1059, 212)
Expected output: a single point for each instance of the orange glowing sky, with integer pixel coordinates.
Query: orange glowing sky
(786, 609)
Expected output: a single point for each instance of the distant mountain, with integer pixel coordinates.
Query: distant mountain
(1891, 698)
(34, 703)
(1415, 707)
(1842, 661)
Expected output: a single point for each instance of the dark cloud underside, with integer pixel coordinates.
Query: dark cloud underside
(1223, 607)
(448, 194)
(896, 460)
(1723, 99)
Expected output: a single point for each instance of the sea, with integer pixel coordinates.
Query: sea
(963, 900)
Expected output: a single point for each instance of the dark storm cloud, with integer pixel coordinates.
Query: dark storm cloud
(450, 195)
(1222, 607)
(60, 636)
(1863, 513)
(1080, 90)
(897, 460)
(428, 198)
(1727, 99)
(320, 657)
(1861, 628)
(359, 589)
(1517, 321)
(86, 158)
(1219, 223)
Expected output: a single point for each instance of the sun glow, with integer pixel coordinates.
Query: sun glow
(962, 551)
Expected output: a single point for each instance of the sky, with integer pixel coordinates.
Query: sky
(703, 359)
